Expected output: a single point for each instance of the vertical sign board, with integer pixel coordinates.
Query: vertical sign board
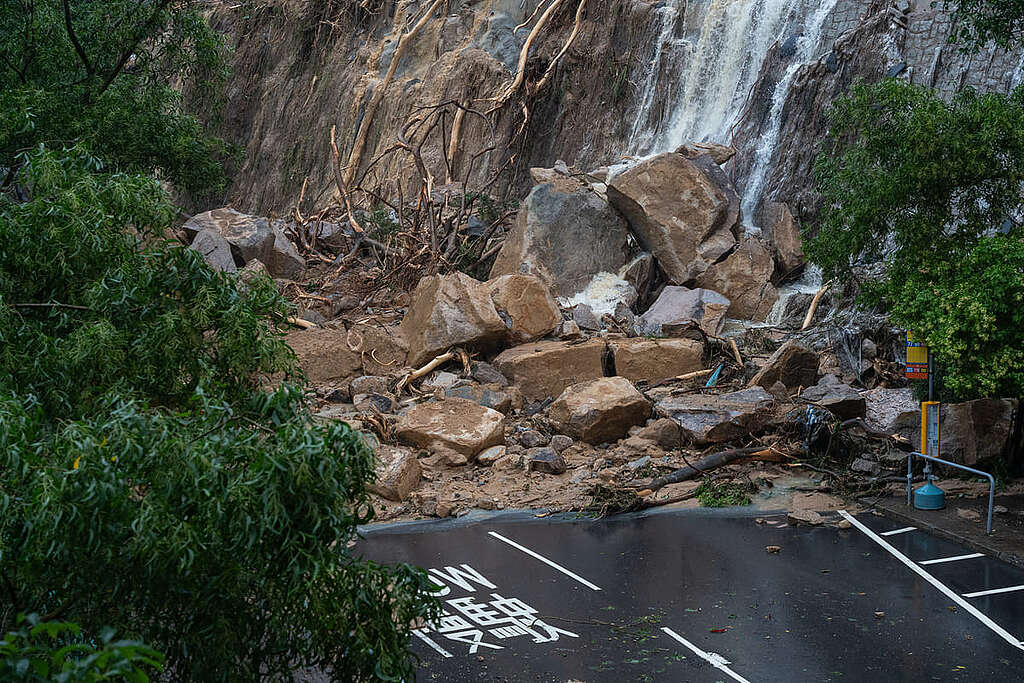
(930, 428)
(917, 358)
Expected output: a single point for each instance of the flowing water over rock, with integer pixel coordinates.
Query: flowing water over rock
(707, 58)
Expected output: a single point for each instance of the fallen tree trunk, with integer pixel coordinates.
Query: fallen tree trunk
(706, 463)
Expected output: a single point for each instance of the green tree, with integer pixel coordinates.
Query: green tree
(979, 22)
(933, 190)
(39, 651)
(96, 73)
(150, 477)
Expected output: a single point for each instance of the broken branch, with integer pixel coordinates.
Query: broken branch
(814, 305)
(703, 465)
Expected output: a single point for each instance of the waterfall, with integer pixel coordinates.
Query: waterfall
(724, 45)
(807, 45)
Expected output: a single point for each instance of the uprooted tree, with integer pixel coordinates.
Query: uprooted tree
(160, 472)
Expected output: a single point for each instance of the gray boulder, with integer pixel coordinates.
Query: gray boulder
(215, 251)
(677, 305)
(707, 419)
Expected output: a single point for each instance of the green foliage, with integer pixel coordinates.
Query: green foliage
(978, 22)
(152, 319)
(41, 651)
(95, 73)
(147, 478)
(720, 494)
(933, 190)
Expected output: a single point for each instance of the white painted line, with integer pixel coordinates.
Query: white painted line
(420, 633)
(971, 609)
(716, 660)
(898, 531)
(954, 558)
(544, 560)
(1008, 589)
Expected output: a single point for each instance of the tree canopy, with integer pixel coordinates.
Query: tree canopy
(97, 74)
(977, 23)
(933, 189)
(160, 469)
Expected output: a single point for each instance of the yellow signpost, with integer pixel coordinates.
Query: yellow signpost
(917, 358)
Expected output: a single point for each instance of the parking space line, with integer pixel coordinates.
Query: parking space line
(971, 609)
(1008, 589)
(716, 660)
(545, 560)
(954, 558)
(898, 531)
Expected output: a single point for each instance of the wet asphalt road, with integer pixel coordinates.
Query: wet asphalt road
(695, 596)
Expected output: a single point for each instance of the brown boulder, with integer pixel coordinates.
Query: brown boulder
(526, 306)
(720, 154)
(716, 419)
(793, 364)
(974, 430)
(544, 369)
(554, 221)
(745, 278)
(600, 410)
(783, 233)
(382, 348)
(453, 423)
(650, 360)
(683, 210)
(398, 472)
(449, 310)
(323, 354)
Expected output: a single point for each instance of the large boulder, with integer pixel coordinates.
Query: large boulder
(525, 305)
(651, 360)
(783, 233)
(555, 220)
(745, 278)
(793, 364)
(324, 354)
(215, 250)
(683, 210)
(251, 238)
(543, 370)
(398, 472)
(450, 310)
(974, 430)
(716, 419)
(720, 154)
(842, 399)
(893, 411)
(383, 348)
(453, 423)
(678, 305)
(599, 411)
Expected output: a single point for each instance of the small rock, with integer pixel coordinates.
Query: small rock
(491, 455)
(607, 474)
(531, 438)
(807, 517)
(485, 373)
(581, 474)
(583, 316)
(638, 463)
(369, 384)
(843, 524)
(1000, 509)
(545, 460)
(868, 349)
(866, 466)
(444, 508)
(398, 472)
(772, 549)
(365, 403)
(879, 615)
(560, 442)
(489, 398)
(968, 514)
(568, 329)
(442, 380)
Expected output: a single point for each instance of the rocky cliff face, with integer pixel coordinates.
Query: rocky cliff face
(481, 91)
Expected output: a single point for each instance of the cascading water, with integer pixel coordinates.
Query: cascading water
(807, 46)
(717, 59)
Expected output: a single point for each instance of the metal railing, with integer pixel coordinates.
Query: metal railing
(991, 481)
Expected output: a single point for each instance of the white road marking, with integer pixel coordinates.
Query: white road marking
(971, 609)
(954, 558)
(429, 641)
(1008, 589)
(544, 560)
(898, 531)
(716, 660)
